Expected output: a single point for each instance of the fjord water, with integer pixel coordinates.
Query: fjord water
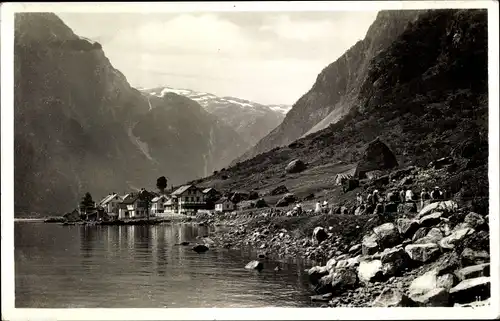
(141, 267)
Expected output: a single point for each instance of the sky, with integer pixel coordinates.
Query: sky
(267, 57)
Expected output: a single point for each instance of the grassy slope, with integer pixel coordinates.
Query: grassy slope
(425, 96)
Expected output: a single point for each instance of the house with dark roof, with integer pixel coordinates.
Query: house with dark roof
(188, 199)
(110, 203)
(135, 205)
(158, 205)
(224, 205)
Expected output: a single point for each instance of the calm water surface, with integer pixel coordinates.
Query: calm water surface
(141, 267)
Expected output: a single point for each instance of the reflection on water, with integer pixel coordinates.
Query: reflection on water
(141, 267)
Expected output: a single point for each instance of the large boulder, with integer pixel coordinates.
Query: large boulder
(430, 219)
(474, 220)
(260, 203)
(377, 156)
(424, 283)
(316, 273)
(324, 285)
(349, 263)
(391, 298)
(369, 245)
(472, 257)
(319, 235)
(449, 242)
(423, 253)
(407, 227)
(330, 264)
(443, 206)
(281, 189)
(434, 236)
(200, 248)
(254, 265)
(446, 281)
(473, 271)
(344, 279)
(437, 297)
(397, 258)
(295, 166)
(471, 290)
(370, 271)
(387, 235)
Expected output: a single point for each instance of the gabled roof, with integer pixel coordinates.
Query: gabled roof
(206, 190)
(182, 189)
(158, 198)
(108, 199)
(130, 199)
(223, 200)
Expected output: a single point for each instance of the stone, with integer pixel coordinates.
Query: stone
(324, 285)
(369, 271)
(387, 235)
(369, 244)
(420, 233)
(330, 265)
(434, 236)
(471, 290)
(423, 253)
(343, 280)
(471, 257)
(446, 281)
(316, 273)
(200, 248)
(295, 166)
(454, 238)
(390, 298)
(474, 220)
(406, 227)
(397, 257)
(423, 284)
(348, 263)
(391, 207)
(254, 265)
(438, 297)
(449, 206)
(321, 297)
(319, 235)
(473, 271)
(355, 248)
(430, 219)
(281, 189)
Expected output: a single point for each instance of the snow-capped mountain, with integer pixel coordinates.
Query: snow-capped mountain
(250, 119)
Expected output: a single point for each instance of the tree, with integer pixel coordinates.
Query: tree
(161, 184)
(86, 203)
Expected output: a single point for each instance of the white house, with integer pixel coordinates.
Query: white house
(224, 205)
(132, 207)
(157, 205)
(110, 203)
(189, 199)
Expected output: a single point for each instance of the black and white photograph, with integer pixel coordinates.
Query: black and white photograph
(193, 156)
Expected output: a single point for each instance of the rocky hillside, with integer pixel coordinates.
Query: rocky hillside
(251, 120)
(425, 96)
(79, 126)
(334, 93)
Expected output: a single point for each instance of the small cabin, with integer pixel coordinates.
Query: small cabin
(224, 205)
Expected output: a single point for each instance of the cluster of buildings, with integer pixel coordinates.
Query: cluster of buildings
(187, 200)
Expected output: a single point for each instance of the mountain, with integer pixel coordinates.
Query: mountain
(333, 94)
(80, 126)
(425, 96)
(251, 120)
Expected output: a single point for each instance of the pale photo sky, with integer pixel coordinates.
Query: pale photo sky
(267, 57)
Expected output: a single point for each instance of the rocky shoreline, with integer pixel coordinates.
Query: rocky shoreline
(437, 257)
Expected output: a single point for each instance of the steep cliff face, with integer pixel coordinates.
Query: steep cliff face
(79, 126)
(332, 95)
(425, 95)
(251, 120)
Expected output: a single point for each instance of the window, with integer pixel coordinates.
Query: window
(197, 198)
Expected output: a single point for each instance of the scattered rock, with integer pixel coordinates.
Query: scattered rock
(390, 298)
(438, 297)
(316, 273)
(321, 297)
(369, 244)
(430, 219)
(473, 271)
(471, 257)
(471, 290)
(369, 271)
(474, 220)
(343, 280)
(397, 257)
(348, 263)
(387, 235)
(330, 265)
(446, 281)
(324, 285)
(355, 248)
(420, 233)
(434, 236)
(279, 190)
(423, 284)
(407, 208)
(407, 227)
(448, 206)
(200, 248)
(319, 235)
(451, 240)
(423, 252)
(295, 166)
(254, 265)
